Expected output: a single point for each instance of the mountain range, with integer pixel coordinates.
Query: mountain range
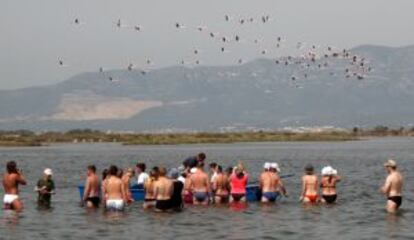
(261, 94)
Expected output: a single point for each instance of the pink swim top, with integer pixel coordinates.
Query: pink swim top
(238, 185)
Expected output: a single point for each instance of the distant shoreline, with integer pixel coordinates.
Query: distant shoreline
(24, 138)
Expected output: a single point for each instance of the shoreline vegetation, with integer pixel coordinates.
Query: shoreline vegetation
(25, 138)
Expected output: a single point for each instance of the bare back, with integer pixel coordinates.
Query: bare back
(200, 182)
(92, 186)
(310, 184)
(221, 184)
(269, 182)
(11, 183)
(393, 184)
(163, 189)
(114, 189)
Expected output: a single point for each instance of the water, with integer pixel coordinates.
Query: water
(359, 213)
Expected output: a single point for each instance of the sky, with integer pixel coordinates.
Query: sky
(35, 35)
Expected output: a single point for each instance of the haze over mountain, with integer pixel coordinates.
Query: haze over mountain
(257, 94)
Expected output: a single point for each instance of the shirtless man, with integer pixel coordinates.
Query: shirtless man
(11, 181)
(221, 187)
(129, 173)
(114, 191)
(309, 186)
(149, 185)
(163, 191)
(200, 186)
(91, 194)
(393, 186)
(270, 183)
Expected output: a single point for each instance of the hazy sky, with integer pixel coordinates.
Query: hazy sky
(34, 34)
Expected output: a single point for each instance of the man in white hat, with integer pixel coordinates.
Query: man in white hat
(45, 188)
(270, 183)
(393, 186)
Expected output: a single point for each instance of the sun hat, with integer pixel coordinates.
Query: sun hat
(326, 171)
(266, 166)
(390, 163)
(275, 166)
(48, 172)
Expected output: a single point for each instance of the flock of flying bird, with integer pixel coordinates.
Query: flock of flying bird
(309, 59)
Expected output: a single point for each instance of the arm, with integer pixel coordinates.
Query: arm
(302, 195)
(387, 186)
(87, 189)
(20, 178)
(123, 192)
(282, 187)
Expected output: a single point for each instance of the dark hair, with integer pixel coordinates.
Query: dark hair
(309, 169)
(113, 170)
(219, 169)
(200, 164)
(120, 173)
(11, 167)
(141, 166)
(201, 156)
(92, 168)
(213, 165)
(104, 173)
(156, 169)
(229, 170)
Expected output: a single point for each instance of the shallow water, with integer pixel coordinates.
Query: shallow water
(359, 213)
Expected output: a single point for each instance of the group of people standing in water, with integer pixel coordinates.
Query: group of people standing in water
(191, 184)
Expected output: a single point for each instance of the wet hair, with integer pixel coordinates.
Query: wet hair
(141, 166)
(201, 156)
(162, 171)
(104, 173)
(11, 167)
(213, 165)
(200, 164)
(309, 169)
(113, 170)
(92, 168)
(156, 169)
(229, 170)
(120, 173)
(219, 169)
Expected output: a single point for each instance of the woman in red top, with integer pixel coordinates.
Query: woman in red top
(238, 184)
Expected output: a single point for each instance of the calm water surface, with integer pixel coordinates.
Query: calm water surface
(359, 213)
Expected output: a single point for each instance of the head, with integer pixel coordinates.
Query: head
(120, 173)
(201, 157)
(239, 172)
(48, 173)
(162, 172)
(390, 165)
(229, 171)
(140, 167)
(213, 167)
(219, 169)
(309, 169)
(130, 172)
(174, 173)
(274, 167)
(104, 173)
(91, 170)
(266, 167)
(200, 165)
(11, 167)
(113, 170)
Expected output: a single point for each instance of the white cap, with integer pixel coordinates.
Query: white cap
(328, 170)
(266, 166)
(275, 166)
(48, 172)
(193, 170)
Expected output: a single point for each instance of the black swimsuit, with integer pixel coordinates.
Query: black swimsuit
(329, 198)
(94, 200)
(163, 205)
(396, 199)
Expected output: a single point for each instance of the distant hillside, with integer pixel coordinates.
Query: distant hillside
(265, 93)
